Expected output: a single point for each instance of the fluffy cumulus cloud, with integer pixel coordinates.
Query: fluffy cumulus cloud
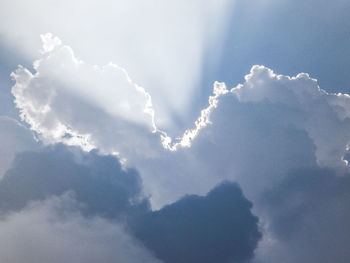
(285, 140)
(148, 38)
(323, 116)
(281, 138)
(255, 133)
(261, 126)
(62, 80)
(108, 163)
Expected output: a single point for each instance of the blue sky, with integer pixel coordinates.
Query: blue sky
(177, 131)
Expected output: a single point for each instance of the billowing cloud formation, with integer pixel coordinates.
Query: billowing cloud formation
(259, 133)
(218, 227)
(252, 123)
(100, 190)
(255, 133)
(55, 231)
(320, 114)
(150, 39)
(62, 79)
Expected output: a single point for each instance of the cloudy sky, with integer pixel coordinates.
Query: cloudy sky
(213, 131)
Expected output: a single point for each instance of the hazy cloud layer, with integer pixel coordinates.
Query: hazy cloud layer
(55, 231)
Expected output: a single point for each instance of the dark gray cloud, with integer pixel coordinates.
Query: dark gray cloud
(98, 181)
(218, 227)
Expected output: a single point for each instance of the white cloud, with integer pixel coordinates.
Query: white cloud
(62, 81)
(254, 133)
(162, 44)
(321, 115)
(53, 231)
(265, 126)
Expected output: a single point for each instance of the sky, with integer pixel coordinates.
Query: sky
(175, 131)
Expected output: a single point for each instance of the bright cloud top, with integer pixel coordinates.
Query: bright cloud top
(70, 101)
(269, 133)
(150, 39)
(122, 83)
(60, 78)
(322, 115)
